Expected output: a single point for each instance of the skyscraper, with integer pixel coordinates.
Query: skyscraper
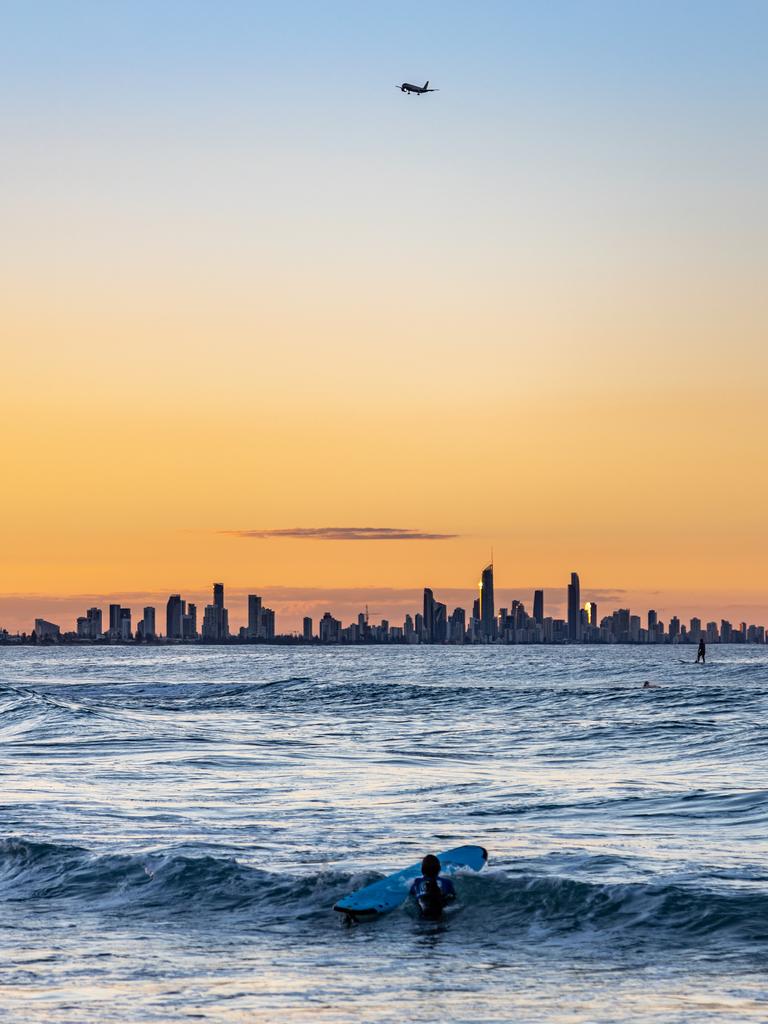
(487, 612)
(574, 608)
(267, 623)
(216, 617)
(174, 612)
(429, 616)
(254, 617)
(653, 620)
(307, 628)
(148, 630)
(125, 624)
(189, 622)
(93, 616)
(440, 623)
(114, 621)
(538, 605)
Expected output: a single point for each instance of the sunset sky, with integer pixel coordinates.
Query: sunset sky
(249, 288)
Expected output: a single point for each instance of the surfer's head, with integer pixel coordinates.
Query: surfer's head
(430, 866)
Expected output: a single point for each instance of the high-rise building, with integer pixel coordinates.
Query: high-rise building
(574, 608)
(216, 617)
(267, 623)
(653, 619)
(125, 624)
(189, 622)
(591, 609)
(148, 629)
(457, 626)
(487, 609)
(47, 630)
(307, 628)
(254, 617)
(538, 605)
(440, 623)
(330, 629)
(674, 627)
(114, 621)
(174, 614)
(92, 624)
(211, 624)
(429, 616)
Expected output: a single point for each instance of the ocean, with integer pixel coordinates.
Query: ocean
(176, 824)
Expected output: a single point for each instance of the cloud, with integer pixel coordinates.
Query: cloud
(342, 533)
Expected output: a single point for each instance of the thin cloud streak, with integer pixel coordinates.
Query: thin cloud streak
(341, 533)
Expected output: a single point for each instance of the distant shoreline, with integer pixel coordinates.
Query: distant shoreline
(292, 641)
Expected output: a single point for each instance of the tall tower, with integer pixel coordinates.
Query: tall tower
(487, 610)
(574, 608)
(174, 614)
(429, 615)
(538, 605)
(254, 617)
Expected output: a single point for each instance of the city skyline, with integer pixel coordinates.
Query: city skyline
(519, 622)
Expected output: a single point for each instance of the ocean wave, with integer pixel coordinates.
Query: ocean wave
(552, 906)
(712, 807)
(542, 906)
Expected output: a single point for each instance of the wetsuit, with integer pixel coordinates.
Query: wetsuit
(432, 903)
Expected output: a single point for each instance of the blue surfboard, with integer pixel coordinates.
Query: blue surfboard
(388, 893)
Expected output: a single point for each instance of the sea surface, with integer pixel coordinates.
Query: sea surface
(176, 824)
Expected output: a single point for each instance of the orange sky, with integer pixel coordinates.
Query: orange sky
(549, 340)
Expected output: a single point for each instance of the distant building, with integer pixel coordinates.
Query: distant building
(653, 621)
(457, 626)
(538, 605)
(189, 622)
(216, 618)
(114, 621)
(330, 629)
(428, 619)
(307, 628)
(89, 625)
(574, 608)
(439, 623)
(268, 623)
(254, 617)
(174, 615)
(487, 610)
(149, 629)
(125, 624)
(47, 630)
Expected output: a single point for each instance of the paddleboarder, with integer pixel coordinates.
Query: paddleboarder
(702, 655)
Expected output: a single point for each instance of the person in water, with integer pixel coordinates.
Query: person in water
(430, 891)
(702, 655)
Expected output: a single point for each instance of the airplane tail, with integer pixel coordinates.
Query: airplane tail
(426, 83)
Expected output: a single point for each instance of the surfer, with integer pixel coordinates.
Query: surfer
(430, 891)
(702, 655)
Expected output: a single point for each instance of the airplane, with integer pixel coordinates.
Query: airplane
(418, 89)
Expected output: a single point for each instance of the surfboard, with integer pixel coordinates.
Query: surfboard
(388, 893)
